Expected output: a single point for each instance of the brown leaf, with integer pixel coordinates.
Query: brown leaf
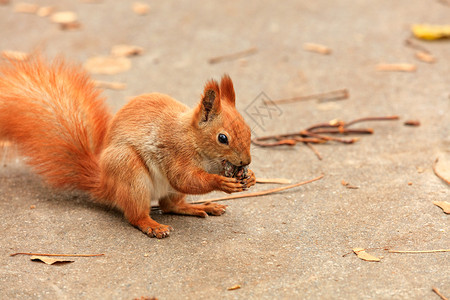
(126, 50)
(444, 205)
(107, 65)
(362, 254)
(50, 260)
(141, 8)
(234, 287)
(27, 8)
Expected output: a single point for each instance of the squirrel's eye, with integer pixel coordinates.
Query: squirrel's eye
(222, 138)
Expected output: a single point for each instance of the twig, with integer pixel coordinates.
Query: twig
(261, 193)
(49, 254)
(328, 96)
(273, 180)
(316, 152)
(435, 289)
(233, 56)
(255, 194)
(419, 251)
(389, 118)
(410, 43)
(437, 173)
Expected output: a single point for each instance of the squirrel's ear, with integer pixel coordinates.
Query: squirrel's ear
(227, 89)
(210, 104)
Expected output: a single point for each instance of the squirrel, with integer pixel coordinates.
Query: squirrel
(153, 148)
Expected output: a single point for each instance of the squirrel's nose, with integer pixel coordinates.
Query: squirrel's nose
(246, 161)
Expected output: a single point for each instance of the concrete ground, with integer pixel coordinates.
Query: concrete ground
(289, 245)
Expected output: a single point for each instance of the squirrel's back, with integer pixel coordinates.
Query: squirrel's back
(55, 115)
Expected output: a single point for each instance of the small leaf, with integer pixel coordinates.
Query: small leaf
(50, 260)
(444, 205)
(362, 254)
(431, 32)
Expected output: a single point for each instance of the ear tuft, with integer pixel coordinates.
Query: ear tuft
(227, 89)
(210, 104)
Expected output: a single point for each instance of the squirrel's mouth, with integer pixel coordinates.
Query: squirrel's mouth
(230, 170)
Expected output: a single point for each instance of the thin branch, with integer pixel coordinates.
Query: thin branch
(273, 180)
(255, 194)
(316, 152)
(435, 289)
(438, 174)
(51, 254)
(261, 193)
(232, 56)
(389, 118)
(327, 96)
(419, 251)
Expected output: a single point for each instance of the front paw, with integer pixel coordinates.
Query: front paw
(160, 231)
(250, 179)
(231, 185)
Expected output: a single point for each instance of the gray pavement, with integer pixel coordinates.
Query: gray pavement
(290, 245)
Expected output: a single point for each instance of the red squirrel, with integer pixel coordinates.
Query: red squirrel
(153, 148)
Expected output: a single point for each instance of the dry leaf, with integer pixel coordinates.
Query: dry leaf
(110, 85)
(234, 287)
(321, 49)
(126, 50)
(15, 55)
(431, 32)
(141, 8)
(402, 67)
(425, 57)
(66, 19)
(50, 260)
(444, 205)
(45, 11)
(27, 8)
(362, 254)
(107, 65)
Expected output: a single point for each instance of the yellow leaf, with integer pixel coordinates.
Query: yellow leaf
(362, 254)
(431, 32)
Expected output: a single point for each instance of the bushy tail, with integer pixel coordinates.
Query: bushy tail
(55, 115)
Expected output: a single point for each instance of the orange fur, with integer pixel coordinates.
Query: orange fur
(153, 148)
